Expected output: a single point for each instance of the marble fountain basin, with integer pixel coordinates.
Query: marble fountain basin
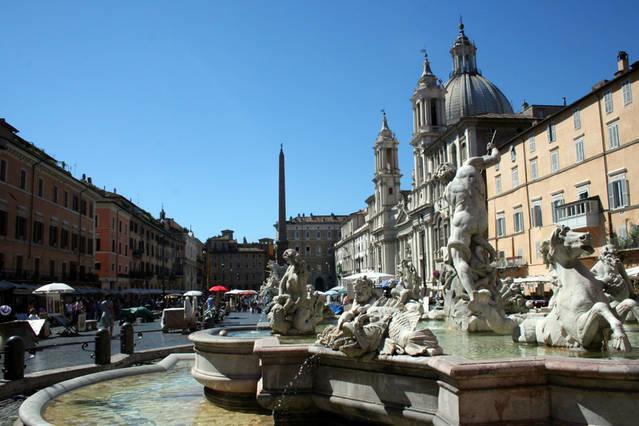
(227, 366)
(248, 370)
(162, 393)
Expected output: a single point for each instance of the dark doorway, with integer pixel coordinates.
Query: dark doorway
(319, 284)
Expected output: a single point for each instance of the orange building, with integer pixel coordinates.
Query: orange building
(46, 216)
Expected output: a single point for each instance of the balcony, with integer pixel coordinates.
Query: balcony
(579, 214)
(512, 262)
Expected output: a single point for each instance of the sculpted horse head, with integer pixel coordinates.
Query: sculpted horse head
(565, 246)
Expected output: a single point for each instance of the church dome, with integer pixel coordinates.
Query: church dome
(467, 91)
(472, 94)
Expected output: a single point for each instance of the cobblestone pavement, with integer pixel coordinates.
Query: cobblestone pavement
(9, 410)
(61, 352)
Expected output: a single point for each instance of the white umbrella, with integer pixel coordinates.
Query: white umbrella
(54, 288)
(195, 293)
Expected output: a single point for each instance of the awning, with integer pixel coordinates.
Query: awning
(6, 285)
(376, 277)
(24, 288)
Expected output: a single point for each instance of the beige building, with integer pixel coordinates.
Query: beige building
(236, 265)
(353, 253)
(314, 237)
(576, 168)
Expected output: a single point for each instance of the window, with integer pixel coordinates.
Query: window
(308, 250)
(318, 235)
(4, 220)
(3, 170)
(608, 102)
(55, 194)
(583, 191)
(579, 150)
(618, 192)
(38, 231)
(40, 187)
(66, 199)
(531, 144)
(557, 202)
(53, 235)
(501, 225)
(21, 228)
(627, 92)
(576, 119)
(535, 214)
(64, 238)
(554, 160)
(498, 184)
(537, 249)
(552, 133)
(534, 170)
(23, 179)
(513, 154)
(613, 135)
(515, 176)
(518, 220)
(307, 235)
(76, 203)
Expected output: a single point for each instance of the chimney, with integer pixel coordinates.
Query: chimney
(90, 180)
(622, 62)
(115, 190)
(84, 177)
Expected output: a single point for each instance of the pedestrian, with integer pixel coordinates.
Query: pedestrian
(106, 320)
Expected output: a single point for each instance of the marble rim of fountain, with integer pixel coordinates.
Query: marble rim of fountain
(520, 390)
(31, 410)
(227, 367)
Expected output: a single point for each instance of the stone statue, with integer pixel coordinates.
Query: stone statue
(581, 316)
(474, 304)
(610, 271)
(409, 290)
(512, 296)
(270, 287)
(294, 309)
(367, 329)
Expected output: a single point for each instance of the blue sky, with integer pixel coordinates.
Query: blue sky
(186, 103)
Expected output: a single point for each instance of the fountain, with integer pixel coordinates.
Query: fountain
(381, 364)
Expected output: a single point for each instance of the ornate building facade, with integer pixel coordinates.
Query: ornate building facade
(452, 121)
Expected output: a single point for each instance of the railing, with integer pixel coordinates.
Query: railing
(579, 214)
(510, 262)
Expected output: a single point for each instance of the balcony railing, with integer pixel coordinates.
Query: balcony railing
(579, 214)
(510, 262)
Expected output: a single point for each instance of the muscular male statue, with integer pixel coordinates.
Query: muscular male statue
(466, 194)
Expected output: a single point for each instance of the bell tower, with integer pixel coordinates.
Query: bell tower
(387, 175)
(429, 118)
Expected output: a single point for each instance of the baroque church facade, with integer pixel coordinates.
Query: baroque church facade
(452, 121)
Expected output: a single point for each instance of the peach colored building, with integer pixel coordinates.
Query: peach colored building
(46, 216)
(576, 168)
(133, 249)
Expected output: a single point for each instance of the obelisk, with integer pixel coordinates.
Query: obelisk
(282, 240)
